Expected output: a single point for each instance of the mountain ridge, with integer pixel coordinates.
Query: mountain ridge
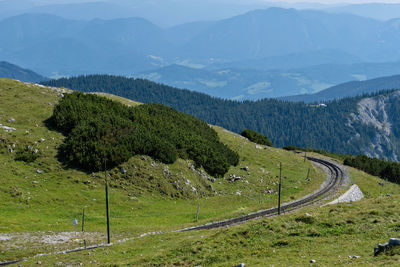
(8, 70)
(349, 89)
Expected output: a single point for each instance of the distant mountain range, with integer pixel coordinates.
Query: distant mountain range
(11, 71)
(171, 12)
(263, 53)
(245, 83)
(380, 11)
(130, 45)
(349, 89)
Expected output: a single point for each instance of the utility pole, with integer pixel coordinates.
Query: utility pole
(280, 188)
(198, 211)
(83, 220)
(107, 206)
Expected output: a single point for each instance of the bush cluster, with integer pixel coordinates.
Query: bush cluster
(384, 169)
(98, 128)
(26, 155)
(256, 137)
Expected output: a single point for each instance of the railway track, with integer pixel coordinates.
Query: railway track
(336, 176)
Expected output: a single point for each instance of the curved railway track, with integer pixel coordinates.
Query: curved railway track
(336, 176)
(335, 179)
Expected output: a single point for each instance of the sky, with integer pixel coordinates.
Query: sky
(239, 1)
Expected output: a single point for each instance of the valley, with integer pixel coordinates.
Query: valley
(199, 133)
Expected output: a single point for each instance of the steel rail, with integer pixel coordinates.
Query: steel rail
(335, 180)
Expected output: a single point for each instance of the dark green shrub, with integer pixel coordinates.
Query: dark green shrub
(289, 148)
(26, 155)
(256, 137)
(385, 169)
(98, 128)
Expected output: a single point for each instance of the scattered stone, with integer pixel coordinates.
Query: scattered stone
(42, 140)
(122, 170)
(240, 265)
(39, 171)
(11, 120)
(394, 242)
(239, 193)
(313, 261)
(269, 191)
(308, 215)
(383, 247)
(87, 182)
(245, 168)
(7, 128)
(234, 178)
(381, 184)
(39, 263)
(259, 147)
(388, 195)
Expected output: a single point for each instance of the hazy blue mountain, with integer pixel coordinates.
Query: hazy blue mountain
(350, 89)
(269, 40)
(380, 11)
(164, 13)
(276, 31)
(291, 61)
(52, 44)
(185, 32)
(244, 84)
(11, 71)
(84, 11)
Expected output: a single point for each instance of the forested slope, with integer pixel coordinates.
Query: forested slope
(338, 127)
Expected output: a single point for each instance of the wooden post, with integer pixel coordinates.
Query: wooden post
(107, 206)
(198, 211)
(83, 220)
(308, 173)
(280, 188)
(305, 156)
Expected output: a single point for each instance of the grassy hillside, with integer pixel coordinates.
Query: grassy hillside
(40, 199)
(341, 235)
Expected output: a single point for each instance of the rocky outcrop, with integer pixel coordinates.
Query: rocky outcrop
(353, 194)
(373, 112)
